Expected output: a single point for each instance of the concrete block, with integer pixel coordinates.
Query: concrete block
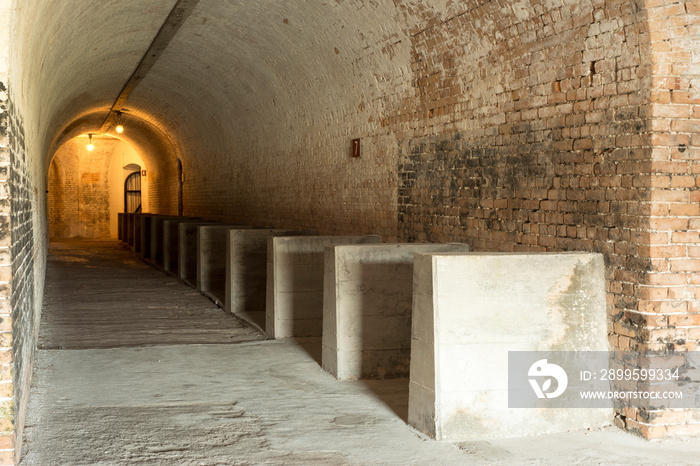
(137, 232)
(120, 226)
(294, 304)
(246, 271)
(158, 237)
(129, 218)
(212, 260)
(188, 250)
(368, 293)
(146, 221)
(171, 243)
(469, 310)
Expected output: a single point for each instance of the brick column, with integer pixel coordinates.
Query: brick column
(668, 317)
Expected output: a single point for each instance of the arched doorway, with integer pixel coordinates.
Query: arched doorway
(132, 192)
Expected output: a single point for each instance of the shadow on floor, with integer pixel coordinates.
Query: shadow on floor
(393, 393)
(312, 346)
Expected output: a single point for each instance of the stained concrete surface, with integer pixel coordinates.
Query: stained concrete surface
(246, 402)
(294, 300)
(470, 310)
(367, 303)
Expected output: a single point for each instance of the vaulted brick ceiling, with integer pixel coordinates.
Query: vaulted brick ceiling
(234, 68)
(261, 94)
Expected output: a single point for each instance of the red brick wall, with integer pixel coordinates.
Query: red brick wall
(668, 311)
(574, 129)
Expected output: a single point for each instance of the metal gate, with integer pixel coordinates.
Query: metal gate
(132, 193)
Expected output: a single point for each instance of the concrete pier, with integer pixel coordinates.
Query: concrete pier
(171, 244)
(246, 271)
(158, 238)
(294, 305)
(129, 221)
(120, 226)
(146, 221)
(470, 310)
(188, 239)
(137, 232)
(368, 291)
(212, 260)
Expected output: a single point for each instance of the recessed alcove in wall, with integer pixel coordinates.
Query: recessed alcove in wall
(86, 188)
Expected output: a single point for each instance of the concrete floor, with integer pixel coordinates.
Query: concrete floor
(135, 368)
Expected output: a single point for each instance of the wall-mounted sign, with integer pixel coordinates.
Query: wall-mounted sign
(355, 147)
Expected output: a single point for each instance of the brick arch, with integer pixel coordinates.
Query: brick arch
(151, 142)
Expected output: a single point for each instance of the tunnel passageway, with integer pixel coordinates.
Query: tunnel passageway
(520, 126)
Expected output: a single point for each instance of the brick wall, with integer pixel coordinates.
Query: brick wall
(28, 263)
(7, 440)
(10, 412)
(515, 126)
(550, 149)
(575, 131)
(163, 186)
(667, 315)
(63, 182)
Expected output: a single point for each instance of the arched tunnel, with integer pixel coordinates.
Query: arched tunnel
(513, 129)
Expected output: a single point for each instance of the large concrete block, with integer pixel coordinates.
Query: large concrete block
(146, 222)
(294, 304)
(469, 310)
(120, 226)
(171, 243)
(368, 291)
(158, 238)
(137, 232)
(129, 219)
(188, 238)
(212, 260)
(246, 271)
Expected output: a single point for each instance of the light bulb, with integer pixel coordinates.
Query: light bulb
(90, 146)
(120, 127)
